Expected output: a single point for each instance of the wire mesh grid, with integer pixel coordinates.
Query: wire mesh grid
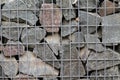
(59, 40)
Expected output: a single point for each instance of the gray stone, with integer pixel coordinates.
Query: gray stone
(2, 74)
(111, 29)
(32, 36)
(9, 65)
(13, 48)
(30, 65)
(93, 43)
(77, 39)
(72, 69)
(10, 11)
(68, 28)
(54, 42)
(86, 4)
(97, 61)
(43, 51)
(71, 65)
(11, 30)
(68, 10)
(106, 74)
(84, 53)
(89, 21)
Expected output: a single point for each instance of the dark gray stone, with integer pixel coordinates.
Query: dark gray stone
(2, 74)
(97, 61)
(86, 4)
(43, 51)
(31, 65)
(93, 43)
(9, 65)
(53, 42)
(111, 29)
(68, 28)
(106, 74)
(71, 63)
(77, 39)
(89, 21)
(11, 30)
(68, 10)
(10, 11)
(32, 36)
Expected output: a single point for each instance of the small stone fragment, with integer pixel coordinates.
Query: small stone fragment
(86, 4)
(54, 42)
(106, 74)
(68, 27)
(1, 46)
(32, 36)
(13, 48)
(84, 53)
(68, 10)
(50, 17)
(111, 29)
(93, 43)
(107, 8)
(24, 77)
(77, 39)
(29, 64)
(10, 11)
(43, 51)
(9, 65)
(97, 61)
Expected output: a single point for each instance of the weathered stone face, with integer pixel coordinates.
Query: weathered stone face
(22, 16)
(96, 60)
(50, 17)
(111, 29)
(31, 65)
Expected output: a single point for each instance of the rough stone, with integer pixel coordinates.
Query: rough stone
(32, 36)
(29, 64)
(111, 29)
(11, 7)
(45, 53)
(86, 4)
(9, 65)
(68, 27)
(71, 62)
(68, 10)
(107, 8)
(77, 39)
(50, 17)
(94, 43)
(24, 77)
(89, 21)
(13, 48)
(97, 61)
(107, 74)
(2, 74)
(65, 41)
(84, 53)
(54, 42)
(11, 30)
